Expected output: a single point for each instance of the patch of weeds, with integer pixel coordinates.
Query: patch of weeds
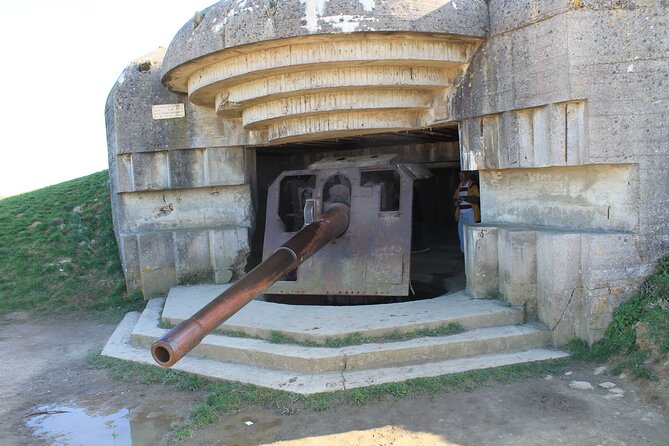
(227, 397)
(197, 277)
(321, 402)
(287, 406)
(620, 343)
(113, 309)
(657, 318)
(133, 372)
(579, 349)
(356, 338)
(236, 334)
(350, 339)
(466, 381)
(397, 390)
(272, 5)
(359, 396)
(183, 431)
(145, 66)
(442, 330)
(165, 325)
(276, 337)
(498, 296)
(635, 363)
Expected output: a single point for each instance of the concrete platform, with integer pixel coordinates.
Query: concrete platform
(495, 336)
(120, 346)
(315, 323)
(366, 356)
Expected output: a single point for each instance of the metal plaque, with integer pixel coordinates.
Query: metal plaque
(168, 111)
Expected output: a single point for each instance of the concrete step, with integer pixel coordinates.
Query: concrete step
(305, 359)
(120, 346)
(495, 336)
(313, 323)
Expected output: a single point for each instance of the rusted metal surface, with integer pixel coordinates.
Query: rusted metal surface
(184, 337)
(373, 257)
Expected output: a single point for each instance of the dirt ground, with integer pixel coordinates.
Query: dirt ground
(49, 397)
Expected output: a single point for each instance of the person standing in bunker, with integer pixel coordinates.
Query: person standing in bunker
(466, 199)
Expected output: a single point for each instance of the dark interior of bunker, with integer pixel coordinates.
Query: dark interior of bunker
(437, 266)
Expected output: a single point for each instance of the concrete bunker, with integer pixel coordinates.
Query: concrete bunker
(249, 90)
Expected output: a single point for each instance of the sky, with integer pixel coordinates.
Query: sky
(59, 61)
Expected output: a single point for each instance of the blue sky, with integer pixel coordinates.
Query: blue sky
(59, 61)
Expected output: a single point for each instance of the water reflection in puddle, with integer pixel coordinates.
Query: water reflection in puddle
(70, 425)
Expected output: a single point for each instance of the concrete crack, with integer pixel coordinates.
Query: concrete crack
(564, 310)
(343, 378)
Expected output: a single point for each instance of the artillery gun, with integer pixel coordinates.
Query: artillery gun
(340, 227)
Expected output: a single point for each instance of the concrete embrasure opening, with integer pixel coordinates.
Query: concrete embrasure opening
(437, 266)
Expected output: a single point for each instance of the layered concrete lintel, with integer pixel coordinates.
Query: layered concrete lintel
(311, 323)
(120, 346)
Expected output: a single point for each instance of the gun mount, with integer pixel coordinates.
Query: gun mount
(342, 226)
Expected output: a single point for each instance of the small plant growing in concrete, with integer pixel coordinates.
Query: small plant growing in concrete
(144, 66)
(271, 7)
(197, 18)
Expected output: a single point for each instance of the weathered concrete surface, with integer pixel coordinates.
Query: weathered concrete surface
(564, 110)
(481, 264)
(228, 24)
(570, 280)
(120, 346)
(315, 360)
(560, 295)
(316, 324)
(318, 369)
(517, 269)
(182, 205)
(589, 197)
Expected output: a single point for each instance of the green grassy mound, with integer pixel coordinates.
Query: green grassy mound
(58, 252)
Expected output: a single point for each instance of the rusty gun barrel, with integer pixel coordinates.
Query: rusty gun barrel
(184, 337)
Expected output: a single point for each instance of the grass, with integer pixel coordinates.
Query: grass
(620, 343)
(276, 337)
(498, 296)
(225, 397)
(59, 254)
(134, 372)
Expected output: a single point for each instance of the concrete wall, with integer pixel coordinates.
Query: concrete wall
(564, 110)
(601, 197)
(570, 280)
(182, 192)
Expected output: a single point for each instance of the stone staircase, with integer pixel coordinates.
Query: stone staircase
(495, 335)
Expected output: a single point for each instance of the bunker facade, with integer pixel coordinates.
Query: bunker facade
(561, 106)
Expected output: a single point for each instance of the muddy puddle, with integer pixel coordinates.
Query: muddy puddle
(72, 425)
